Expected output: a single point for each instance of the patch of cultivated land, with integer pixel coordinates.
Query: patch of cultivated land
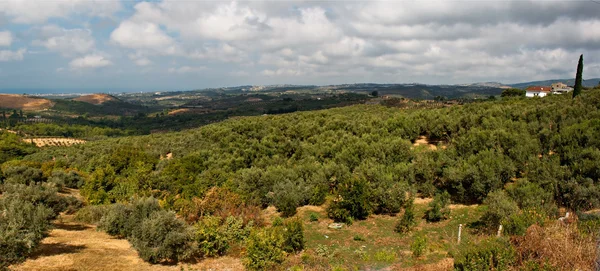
(15, 101)
(75, 246)
(53, 141)
(381, 247)
(95, 98)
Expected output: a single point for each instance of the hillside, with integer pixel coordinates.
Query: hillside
(278, 184)
(592, 82)
(15, 101)
(95, 99)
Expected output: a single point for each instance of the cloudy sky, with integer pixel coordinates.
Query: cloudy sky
(108, 45)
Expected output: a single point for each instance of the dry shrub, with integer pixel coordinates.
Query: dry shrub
(223, 203)
(558, 245)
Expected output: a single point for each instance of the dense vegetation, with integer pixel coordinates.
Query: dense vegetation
(522, 158)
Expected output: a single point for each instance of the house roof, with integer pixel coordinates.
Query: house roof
(539, 89)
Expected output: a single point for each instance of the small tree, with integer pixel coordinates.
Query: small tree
(407, 221)
(578, 78)
(375, 93)
(352, 202)
(438, 208)
(512, 92)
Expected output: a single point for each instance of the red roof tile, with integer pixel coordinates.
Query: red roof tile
(540, 89)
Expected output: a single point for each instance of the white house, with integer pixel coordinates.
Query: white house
(537, 91)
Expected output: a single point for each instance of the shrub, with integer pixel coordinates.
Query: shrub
(22, 175)
(352, 202)
(407, 221)
(70, 179)
(91, 214)
(385, 256)
(499, 207)
(489, 254)
(358, 238)
(293, 235)
(418, 246)
(286, 197)
(22, 227)
(210, 238)
(264, 250)
(277, 221)
(116, 220)
(41, 194)
(438, 208)
(517, 224)
(313, 217)
(162, 238)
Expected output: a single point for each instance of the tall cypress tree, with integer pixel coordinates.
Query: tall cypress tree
(578, 77)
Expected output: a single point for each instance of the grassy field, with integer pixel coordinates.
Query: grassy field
(373, 244)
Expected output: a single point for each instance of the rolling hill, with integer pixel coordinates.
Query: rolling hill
(96, 99)
(22, 102)
(591, 82)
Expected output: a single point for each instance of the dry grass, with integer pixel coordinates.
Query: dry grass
(15, 101)
(558, 245)
(95, 98)
(75, 246)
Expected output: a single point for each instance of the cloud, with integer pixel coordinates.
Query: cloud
(186, 69)
(7, 55)
(142, 35)
(6, 38)
(90, 61)
(67, 42)
(39, 11)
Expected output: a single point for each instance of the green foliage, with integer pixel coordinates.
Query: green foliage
(12, 147)
(578, 78)
(22, 174)
(418, 246)
(162, 238)
(40, 194)
(499, 207)
(517, 224)
(293, 235)
(211, 239)
(91, 214)
(22, 226)
(264, 250)
(407, 221)
(358, 238)
(385, 255)
(313, 217)
(287, 197)
(70, 179)
(352, 201)
(513, 92)
(121, 219)
(489, 254)
(438, 208)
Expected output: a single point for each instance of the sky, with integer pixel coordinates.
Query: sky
(112, 45)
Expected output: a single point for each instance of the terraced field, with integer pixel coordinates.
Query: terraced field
(54, 141)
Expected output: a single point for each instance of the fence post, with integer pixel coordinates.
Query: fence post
(459, 232)
(499, 231)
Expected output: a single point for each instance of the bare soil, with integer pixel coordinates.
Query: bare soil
(15, 101)
(75, 246)
(95, 98)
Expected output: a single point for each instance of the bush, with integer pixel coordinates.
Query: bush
(407, 221)
(162, 238)
(116, 220)
(22, 227)
(499, 207)
(438, 208)
(264, 250)
(286, 197)
(489, 254)
(41, 194)
(70, 179)
(352, 201)
(293, 235)
(91, 214)
(210, 238)
(22, 175)
(313, 217)
(418, 246)
(517, 224)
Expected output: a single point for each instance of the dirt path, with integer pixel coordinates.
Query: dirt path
(76, 246)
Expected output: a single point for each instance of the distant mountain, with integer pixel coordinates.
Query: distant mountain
(570, 82)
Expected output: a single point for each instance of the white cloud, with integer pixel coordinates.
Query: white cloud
(68, 42)
(39, 11)
(187, 69)
(6, 38)
(143, 35)
(7, 55)
(90, 61)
